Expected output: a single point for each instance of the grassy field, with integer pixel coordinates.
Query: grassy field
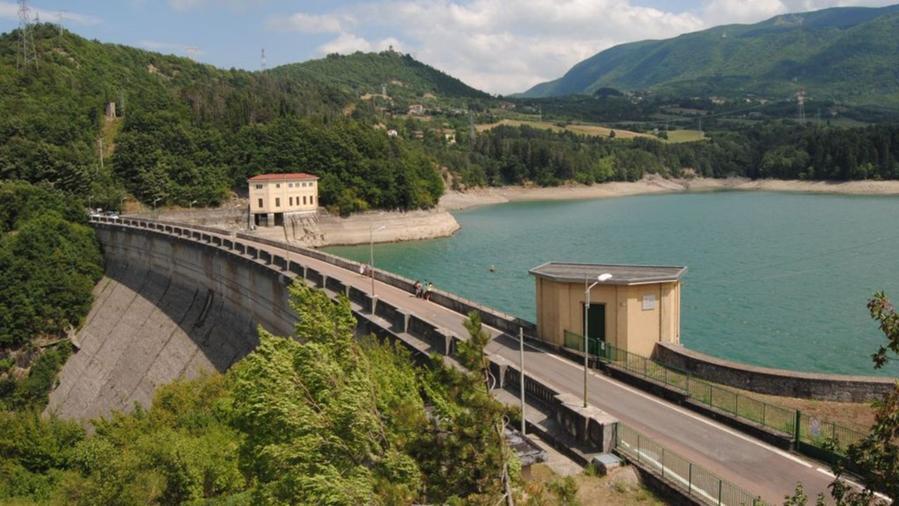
(685, 135)
(578, 128)
(593, 129)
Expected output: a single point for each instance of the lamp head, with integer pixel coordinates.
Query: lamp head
(604, 277)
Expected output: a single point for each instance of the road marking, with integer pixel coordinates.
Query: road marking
(825, 471)
(628, 388)
(684, 412)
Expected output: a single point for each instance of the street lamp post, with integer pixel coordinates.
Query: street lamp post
(371, 255)
(602, 277)
(521, 376)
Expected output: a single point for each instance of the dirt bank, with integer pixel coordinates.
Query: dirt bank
(323, 229)
(654, 184)
(327, 230)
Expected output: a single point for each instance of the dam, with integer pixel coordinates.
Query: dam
(179, 300)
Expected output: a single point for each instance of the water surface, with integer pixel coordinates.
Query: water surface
(775, 279)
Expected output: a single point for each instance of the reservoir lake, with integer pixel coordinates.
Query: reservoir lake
(774, 279)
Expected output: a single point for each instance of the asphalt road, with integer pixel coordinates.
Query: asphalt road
(756, 466)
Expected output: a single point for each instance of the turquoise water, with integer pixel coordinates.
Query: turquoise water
(775, 279)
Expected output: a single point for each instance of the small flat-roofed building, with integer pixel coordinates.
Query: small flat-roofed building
(638, 306)
(274, 195)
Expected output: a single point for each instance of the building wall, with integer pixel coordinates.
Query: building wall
(560, 307)
(289, 193)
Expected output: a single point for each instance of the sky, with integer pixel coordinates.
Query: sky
(499, 46)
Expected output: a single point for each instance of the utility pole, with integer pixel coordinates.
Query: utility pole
(521, 376)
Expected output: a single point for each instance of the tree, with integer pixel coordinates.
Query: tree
(876, 457)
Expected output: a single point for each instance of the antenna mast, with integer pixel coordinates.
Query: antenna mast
(27, 54)
(263, 62)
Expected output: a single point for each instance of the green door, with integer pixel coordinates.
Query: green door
(597, 326)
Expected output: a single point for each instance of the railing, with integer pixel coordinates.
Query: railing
(691, 479)
(830, 439)
(825, 435)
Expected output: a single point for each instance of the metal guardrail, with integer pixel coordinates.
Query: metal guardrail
(691, 479)
(830, 439)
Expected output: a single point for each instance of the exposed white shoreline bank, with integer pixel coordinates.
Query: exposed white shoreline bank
(454, 200)
(439, 222)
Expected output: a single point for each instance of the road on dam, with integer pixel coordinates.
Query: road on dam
(749, 463)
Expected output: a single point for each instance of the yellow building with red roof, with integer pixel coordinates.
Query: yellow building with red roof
(276, 194)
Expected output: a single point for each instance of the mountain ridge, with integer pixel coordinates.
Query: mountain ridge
(772, 58)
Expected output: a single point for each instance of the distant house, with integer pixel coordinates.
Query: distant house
(392, 133)
(274, 195)
(418, 134)
(449, 135)
(416, 109)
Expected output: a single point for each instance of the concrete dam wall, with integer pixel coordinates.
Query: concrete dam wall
(168, 307)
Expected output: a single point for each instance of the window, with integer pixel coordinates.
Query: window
(277, 202)
(311, 199)
(304, 200)
(277, 185)
(290, 185)
(260, 203)
(258, 186)
(291, 201)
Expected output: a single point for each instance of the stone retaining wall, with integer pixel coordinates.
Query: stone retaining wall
(827, 387)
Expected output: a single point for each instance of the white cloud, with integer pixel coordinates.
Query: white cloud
(185, 5)
(742, 11)
(505, 46)
(171, 47)
(309, 23)
(10, 10)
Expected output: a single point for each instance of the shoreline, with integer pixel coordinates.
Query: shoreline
(476, 197)
(328, 230)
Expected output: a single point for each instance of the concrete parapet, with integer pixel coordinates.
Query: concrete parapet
(829, 387)
(588, 425)
(315, 277)
(360, 297)
(391, 314)
(335, 285)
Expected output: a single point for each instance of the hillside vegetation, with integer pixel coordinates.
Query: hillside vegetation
(360, 73)
(49, 263)
(190, 133)
(842, 54)
(333, 420)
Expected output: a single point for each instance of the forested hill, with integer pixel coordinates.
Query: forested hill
(842, 54)
(370, 73)
(186, 132)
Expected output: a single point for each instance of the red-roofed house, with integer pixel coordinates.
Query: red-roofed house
(274, 195)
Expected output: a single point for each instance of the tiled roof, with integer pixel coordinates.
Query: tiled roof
(284, 176)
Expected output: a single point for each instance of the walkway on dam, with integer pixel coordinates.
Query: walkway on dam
(747, 462)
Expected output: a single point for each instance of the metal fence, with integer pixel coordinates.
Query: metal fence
(820, 433)
(813, 431)
(692, 479)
